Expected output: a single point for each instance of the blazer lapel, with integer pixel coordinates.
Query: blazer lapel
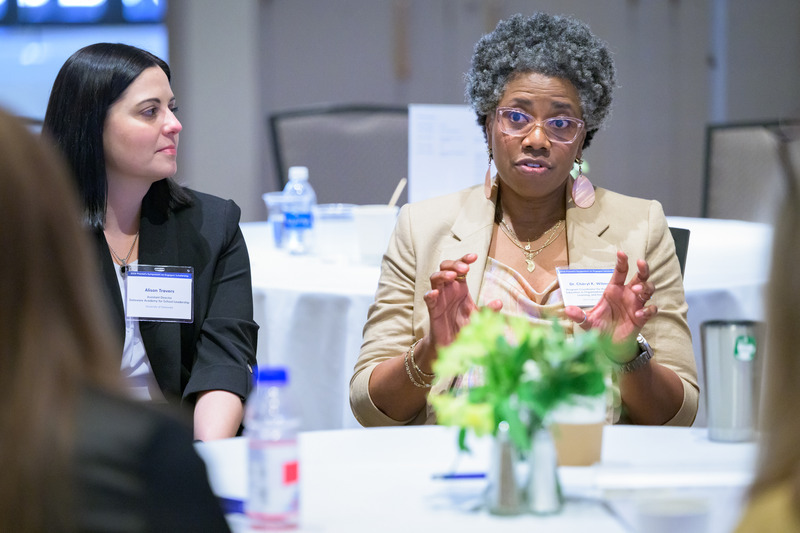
(586, 247)
(472, 233)
(108, 274)
(158, 245)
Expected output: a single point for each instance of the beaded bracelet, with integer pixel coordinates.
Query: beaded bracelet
(414, 363)
(411, 376)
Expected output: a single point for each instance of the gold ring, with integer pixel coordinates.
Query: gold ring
(461, 278)
(641, 299)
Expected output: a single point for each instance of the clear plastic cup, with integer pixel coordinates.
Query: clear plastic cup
(275, 202)
(335, 232)
(374, 227)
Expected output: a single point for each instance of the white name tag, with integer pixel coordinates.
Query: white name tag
(583, 287)
(160, 293)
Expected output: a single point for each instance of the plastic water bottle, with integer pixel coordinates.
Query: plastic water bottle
(298, 220)
(271, 427)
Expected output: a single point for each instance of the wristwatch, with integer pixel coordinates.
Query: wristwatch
(645, 354)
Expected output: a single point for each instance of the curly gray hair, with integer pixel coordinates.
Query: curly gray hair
(553, 45)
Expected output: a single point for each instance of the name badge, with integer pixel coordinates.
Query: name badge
(160, 293)
(583, 286)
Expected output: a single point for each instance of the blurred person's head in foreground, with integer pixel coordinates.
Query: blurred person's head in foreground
(54, 333)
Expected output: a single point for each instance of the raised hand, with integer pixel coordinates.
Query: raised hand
(449, 302)
(622, 310)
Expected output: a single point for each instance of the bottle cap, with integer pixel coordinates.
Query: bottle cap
(273, 374)
(298, 173)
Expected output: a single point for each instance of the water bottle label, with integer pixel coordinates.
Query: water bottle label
(273, 481)
(297, 220)
(744, 348)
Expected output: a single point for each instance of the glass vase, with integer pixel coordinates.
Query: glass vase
(504, 495)
(544, 495)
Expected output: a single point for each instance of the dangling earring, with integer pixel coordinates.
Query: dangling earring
(582, 189)
(487, 180)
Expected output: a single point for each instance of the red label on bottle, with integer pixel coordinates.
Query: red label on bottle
(290, 473)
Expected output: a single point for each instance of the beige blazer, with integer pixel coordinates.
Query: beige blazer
(451, 226)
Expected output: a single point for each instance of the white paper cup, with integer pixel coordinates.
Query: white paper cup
(335, 232)
(374, 227)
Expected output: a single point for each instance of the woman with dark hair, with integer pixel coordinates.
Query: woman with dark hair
(112, 113)
(541, 88)
(76, 454)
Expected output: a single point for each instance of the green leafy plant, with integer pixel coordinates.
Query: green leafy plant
(524, 371)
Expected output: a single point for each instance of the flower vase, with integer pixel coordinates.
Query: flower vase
(503, 494)
(544, 490)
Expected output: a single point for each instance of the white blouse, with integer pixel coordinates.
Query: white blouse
(136, 369)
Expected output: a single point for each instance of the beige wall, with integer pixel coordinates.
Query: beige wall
(214, 56)
(763, 53)
(235, 61)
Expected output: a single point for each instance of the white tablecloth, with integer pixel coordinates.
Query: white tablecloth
(380, 479)
(312, 313)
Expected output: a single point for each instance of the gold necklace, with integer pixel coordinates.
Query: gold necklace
(123, 263)
(529, 254)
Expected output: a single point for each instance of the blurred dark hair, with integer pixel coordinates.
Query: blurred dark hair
(89, 82)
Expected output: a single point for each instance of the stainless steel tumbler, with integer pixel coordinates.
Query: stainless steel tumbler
(731, 360)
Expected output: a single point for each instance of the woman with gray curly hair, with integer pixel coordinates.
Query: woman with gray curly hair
(541, 87)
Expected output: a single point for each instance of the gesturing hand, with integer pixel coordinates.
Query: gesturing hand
(621, 311)
(449, 302)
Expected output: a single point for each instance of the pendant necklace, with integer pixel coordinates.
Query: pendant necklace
(552, 233)
(123, 263)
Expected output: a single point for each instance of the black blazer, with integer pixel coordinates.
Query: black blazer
(218, 349)
(135, 470)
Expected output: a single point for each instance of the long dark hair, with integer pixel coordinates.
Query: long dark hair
(89, 82)
(54, 330)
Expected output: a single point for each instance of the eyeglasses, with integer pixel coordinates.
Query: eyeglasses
(513, 121)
